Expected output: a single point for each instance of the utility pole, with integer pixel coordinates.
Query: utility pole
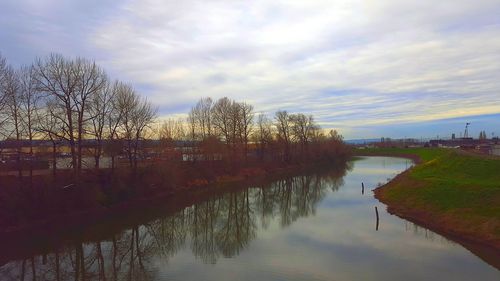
(466, 133)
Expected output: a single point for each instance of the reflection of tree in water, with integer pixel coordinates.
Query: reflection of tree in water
(168, 234)
(236, 225)
(204, 217)
(296, 197)
(126, 257)
(290, 198)
(221, 226)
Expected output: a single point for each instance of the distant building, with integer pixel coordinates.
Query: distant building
(463, 143)
(495, 149)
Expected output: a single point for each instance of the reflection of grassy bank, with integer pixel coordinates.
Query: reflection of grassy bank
(451, 191)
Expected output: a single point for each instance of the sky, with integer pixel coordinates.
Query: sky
(415, 68)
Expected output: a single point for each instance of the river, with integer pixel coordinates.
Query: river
(315, 226)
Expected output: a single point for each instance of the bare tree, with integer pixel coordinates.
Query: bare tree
(202, 114)
(191, 121)
(264, 133)
(114, 120)
(13, 106)
(56, 78)
(143, 116)
(70, 84)
(138, 115)
(100, 111)
(92, 81)
(222, 121)
(3, 67)
(172, 129)
(29, 103)
(51, 129)
(303, 128)
(192, 135)
(284, 132)
(232, 122)
(335, 136)
(234, 114)
(245, 124)
(3, 97)
(126, 100)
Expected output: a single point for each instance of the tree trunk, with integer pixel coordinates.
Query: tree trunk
(100, 260)
(73, 158)
(97, 155)
(79, 152)
(58, 278)
(115, 276)
(54, 159)
(31, 151)
(33, 269)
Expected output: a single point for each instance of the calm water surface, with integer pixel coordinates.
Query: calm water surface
(316, 226)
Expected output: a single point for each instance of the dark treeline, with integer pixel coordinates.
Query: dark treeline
(219, 227)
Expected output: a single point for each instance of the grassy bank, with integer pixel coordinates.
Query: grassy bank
(451, 191)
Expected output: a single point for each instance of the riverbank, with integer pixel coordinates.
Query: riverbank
(451, 192)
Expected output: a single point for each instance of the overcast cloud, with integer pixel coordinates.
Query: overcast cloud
(356, 65)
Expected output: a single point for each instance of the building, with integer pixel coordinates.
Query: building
(463, 143)
(495, 149)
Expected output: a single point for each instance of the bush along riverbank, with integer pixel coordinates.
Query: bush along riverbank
(452, 192)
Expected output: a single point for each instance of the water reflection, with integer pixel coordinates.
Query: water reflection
(316, 226)
(219, 227)
(424, 232)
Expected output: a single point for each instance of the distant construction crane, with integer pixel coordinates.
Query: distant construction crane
(466, 133)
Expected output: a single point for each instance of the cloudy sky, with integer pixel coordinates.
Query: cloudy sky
(416, 68)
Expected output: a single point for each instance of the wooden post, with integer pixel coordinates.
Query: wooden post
(362, 188)
(376, 213)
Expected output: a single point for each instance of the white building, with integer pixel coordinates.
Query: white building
(495, 149)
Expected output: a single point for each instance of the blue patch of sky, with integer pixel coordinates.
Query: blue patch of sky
(442, 128)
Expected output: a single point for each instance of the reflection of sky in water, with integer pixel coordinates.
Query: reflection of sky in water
(340, 243)
(332, 238)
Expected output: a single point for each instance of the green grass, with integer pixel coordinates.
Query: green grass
(426, 154)
(458, 185)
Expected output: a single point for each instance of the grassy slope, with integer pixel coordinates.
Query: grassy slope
(455, 191)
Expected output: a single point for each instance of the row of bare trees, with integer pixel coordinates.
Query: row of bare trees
(232, 128)
(74, 104)
(226, 120)
(68, 101)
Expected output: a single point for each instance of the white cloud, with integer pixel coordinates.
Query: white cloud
(350, 63)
